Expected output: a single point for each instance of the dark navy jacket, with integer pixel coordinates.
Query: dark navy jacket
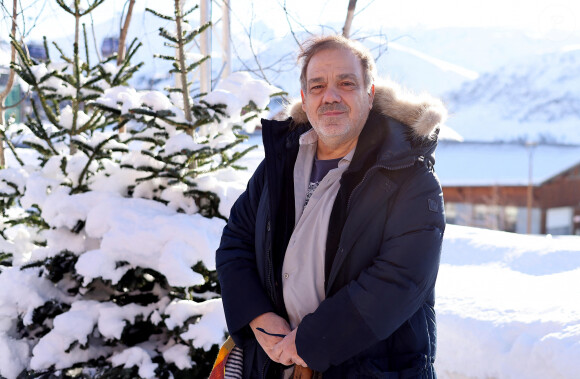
(382, 256)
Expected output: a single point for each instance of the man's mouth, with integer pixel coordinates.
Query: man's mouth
(333, 113)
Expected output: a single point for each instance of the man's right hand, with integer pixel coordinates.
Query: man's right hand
(272, 323)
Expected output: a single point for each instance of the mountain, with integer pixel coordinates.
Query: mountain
(536, 99)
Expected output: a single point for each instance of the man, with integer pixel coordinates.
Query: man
(330, 256)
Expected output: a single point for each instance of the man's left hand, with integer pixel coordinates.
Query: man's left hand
(286, 352)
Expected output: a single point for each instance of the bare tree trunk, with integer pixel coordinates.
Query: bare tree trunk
(183, 69)
(227, 53)
(122, 38)
(205, 47)
(9, 84)
(349, 17)
(123, 35)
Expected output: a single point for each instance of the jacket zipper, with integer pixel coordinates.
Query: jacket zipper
(270, 269)
(374, 168)
(272, 290)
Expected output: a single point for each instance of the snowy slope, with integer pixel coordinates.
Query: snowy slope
(508, 305)
(536, 99)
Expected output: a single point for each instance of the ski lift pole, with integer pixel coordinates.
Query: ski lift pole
(205, 47)
(226, 36)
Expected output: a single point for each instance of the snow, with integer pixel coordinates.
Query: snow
(14, 175)
(66, 118)
(239, 89)
(14, 355)
(141, 232)
(156, 100)
(178, 354)
(507, 305)
(136, 356)
(22, 292)
(209, 329)
(179, 142)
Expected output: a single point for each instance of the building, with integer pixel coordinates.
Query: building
(109, 46)
(488, 184)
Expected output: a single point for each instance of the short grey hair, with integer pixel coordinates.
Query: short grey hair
(316, 44)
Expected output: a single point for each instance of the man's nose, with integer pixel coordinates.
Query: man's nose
(331, 95)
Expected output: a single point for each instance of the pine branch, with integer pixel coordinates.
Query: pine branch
(165, 57)
(65, 7)
(92, 7)
(196, 64)
(127, 74)
(62, 54)
(80, 187)
(168, 36)
(194, 33)
(45, 46)
(4, 138)
(86, 47)
(91, 123)
(160, 15)
(191, 10)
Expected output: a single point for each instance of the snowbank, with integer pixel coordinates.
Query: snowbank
(508, 305)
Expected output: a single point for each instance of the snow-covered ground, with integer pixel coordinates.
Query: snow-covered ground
(508, 305)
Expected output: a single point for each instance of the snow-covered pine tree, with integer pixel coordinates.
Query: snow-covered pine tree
(61, 124)
(112, 245)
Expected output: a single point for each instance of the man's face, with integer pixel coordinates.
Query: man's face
(336, 101)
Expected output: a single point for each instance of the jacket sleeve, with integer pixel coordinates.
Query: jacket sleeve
(387, 293)
(243, 295)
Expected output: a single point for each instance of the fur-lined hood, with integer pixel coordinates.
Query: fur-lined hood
(423, 114)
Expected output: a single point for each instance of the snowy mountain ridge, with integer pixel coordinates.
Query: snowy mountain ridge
(537, 98)
(545, 89)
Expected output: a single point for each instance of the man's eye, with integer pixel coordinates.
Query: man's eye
(348, 84)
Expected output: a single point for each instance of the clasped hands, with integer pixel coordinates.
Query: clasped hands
(279, 349)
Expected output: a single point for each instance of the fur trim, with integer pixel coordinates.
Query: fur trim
(423, 113)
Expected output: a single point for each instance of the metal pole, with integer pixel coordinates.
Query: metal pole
(226, 35)
(531, 146)
(205, 47)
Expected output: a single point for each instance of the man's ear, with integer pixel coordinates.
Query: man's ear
(371, 96)
(303, 99)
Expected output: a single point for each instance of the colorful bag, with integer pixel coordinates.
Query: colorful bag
(234, 369)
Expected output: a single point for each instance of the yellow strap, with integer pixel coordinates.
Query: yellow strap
(226, 348)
